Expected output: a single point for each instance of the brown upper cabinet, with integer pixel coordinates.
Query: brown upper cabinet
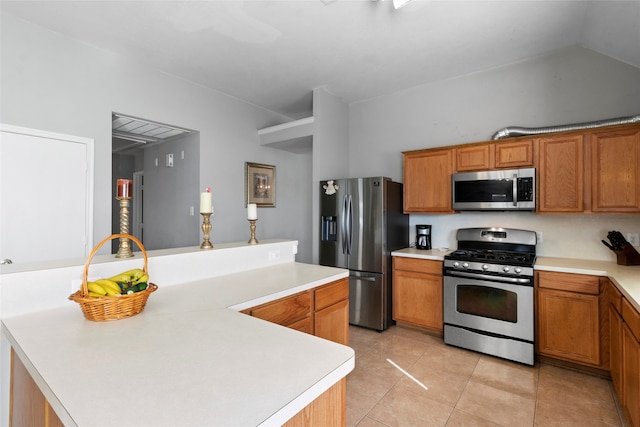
(581, 171)
(615, 168)
(518, 154)
(474, 157)
(427, 181)
(561, 174)
(494, 155)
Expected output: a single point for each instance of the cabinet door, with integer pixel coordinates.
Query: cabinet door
(329, 409)
(417, 299)
(631, 374)
(513, 154)
(473, 158)
(615, 343)
(568, 326)
(332, 322)
(561, 174)
(615, 171)
(427, 181)
(286, 311)
(29, 407)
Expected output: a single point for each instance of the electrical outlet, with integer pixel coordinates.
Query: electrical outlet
(191, 210)
(633, 238)
(539, 236)
(169, 160)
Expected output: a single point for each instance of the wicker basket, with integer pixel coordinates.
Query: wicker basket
(100, 309)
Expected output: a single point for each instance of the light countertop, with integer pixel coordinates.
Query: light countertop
(626, 278)
(190, 358)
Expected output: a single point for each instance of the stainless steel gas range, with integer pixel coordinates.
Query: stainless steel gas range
(488, 292)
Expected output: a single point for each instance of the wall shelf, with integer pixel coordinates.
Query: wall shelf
(295, 136)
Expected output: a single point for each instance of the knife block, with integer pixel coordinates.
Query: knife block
(628, 255)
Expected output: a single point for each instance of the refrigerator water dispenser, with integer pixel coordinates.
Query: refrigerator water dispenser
(329, 228)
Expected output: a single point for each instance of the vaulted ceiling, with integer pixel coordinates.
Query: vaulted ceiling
(274, 53)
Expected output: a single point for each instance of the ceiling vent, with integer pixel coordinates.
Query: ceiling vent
(141, 132)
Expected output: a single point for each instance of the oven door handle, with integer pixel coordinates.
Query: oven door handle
(516, 280)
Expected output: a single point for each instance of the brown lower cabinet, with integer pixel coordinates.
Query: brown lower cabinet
(568, 318)
(625, 353)
(28, 405)
(321, 311)
(329, 409)
(417, 293)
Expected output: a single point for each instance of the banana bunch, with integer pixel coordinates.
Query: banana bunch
(128, 282)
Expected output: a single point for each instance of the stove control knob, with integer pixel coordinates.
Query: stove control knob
(485, 267)
(456, 264)
(465, 265)
(518, 270)
(506, 268)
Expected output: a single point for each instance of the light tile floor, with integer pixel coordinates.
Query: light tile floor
(464, 388)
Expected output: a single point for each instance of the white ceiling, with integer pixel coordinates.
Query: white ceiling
(274, 53)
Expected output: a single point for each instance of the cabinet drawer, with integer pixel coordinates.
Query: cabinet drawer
(631, 317)
(569, 282)
(286, 310)
(417, 265)
(332, 293)
(615, 297)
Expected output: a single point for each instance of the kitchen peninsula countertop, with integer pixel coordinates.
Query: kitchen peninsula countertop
(190, 358)
(626, 278)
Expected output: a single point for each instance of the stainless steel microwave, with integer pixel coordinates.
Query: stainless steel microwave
(501, 190)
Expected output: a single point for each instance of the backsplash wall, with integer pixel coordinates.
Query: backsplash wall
(565, 236)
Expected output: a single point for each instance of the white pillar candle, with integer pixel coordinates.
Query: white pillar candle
(252, 211)
(206, 204)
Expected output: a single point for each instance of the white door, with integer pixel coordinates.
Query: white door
(46, 188)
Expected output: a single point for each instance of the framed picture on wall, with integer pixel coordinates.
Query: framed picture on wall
(261, 184)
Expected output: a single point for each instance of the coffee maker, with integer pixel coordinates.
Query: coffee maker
(423, 236)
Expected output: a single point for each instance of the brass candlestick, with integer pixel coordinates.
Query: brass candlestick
(252, 227)
(124, 250)
(206, 229)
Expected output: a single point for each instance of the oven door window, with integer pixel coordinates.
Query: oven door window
(484, 191)
(488, 302)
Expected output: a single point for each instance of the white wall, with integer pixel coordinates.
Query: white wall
(55, 83)
(330, 150)
(169, 192)
(569, 86)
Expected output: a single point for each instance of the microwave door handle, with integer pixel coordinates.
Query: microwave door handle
(515, 189)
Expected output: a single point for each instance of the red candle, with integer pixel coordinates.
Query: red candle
(125, 188)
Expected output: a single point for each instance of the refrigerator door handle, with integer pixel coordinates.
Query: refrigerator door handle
(343, 220)
(365, 279)
(350, 225)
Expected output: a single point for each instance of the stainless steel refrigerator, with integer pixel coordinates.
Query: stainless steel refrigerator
(361, 222)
